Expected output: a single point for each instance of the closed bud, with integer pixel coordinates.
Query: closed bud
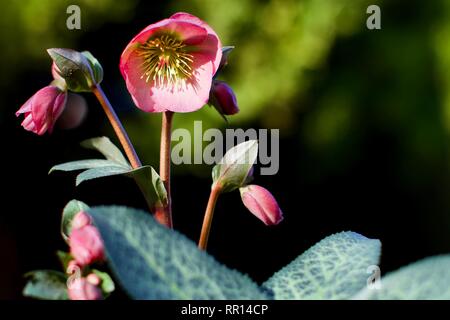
(262, 204)
(81, 71)
(86, 245)
(43, 109)
(233, 170)
(80, 220)
(223, 98)
(82, 289)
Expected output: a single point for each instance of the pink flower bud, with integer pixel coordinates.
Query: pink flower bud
(80, 220)
(82, 289)
(56, 72)
(223, 98)
(93, 279)
(43, 109)
(86, 246)
(262, 204)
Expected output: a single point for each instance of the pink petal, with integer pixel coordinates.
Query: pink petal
(28, 123)
(55, 71)
(58, 108)
(42, 104)
(211, 44)
(189, 33)
(194, 94)
(188, 97)
(139, 89)
(25, 108)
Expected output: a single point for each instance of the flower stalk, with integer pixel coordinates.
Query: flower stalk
(118, 127)
(164, 214)
(209, 214)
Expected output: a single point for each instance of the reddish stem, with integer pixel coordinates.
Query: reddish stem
(117, 126)
(164, 214)
(207, 220)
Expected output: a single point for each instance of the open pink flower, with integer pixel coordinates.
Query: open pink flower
(43, 109)
(86, 245)
(262, 204)
(169, 65)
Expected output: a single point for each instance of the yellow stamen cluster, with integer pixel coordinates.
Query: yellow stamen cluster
(165, 60)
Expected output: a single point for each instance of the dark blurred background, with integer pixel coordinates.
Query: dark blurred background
(364, 119)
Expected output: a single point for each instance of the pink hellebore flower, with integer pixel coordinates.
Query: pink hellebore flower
(83, 289)
(43, 109)
(169, 66)
(86, 245)
(262, 204)
(224, 98)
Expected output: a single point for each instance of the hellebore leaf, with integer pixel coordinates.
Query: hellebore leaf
(334, 268)
(146, 177)
(69, 211)
(151, 185)
(233, 169)
(427, 279)
(75, 68)
(46, 285)
(83, 164)
(107, 148)
(153, 262)
(100, 172)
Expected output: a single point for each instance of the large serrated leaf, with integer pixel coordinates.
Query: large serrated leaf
(69, 211)
(107, 148)
(153, 262)
(334, 268)
(46, 284)
(100, 172)
(427, 279)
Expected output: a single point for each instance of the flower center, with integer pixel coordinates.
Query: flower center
(165, 60)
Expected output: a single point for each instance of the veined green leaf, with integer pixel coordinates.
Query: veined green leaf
(334, 268)
(153, 262)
